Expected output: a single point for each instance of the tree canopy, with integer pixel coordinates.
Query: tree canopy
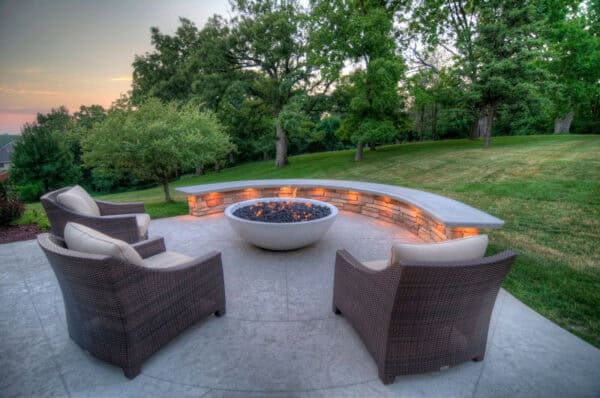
(155, 142)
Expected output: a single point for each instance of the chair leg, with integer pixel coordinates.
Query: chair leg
(385, 377)
(220, 313)
(132, 371)
(479, 358)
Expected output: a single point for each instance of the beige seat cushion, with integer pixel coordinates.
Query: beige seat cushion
(465, 249)
(166, 259)
(87, 240)
(79, 201)
(376, 265)
(143, 222)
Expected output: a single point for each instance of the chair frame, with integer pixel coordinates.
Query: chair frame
(420, 317)
(123, 313)
(116, 219)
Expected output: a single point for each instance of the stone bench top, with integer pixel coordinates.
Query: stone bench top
(449, 212)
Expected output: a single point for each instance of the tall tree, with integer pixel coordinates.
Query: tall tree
(42, 160)
(507, 48)
(452, 26)
(268, 42)
(360, 34)
(573, 59)
(162, 73)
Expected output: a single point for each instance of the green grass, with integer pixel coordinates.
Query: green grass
(546, 188)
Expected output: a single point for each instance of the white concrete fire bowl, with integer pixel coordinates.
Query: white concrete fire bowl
(280, 236)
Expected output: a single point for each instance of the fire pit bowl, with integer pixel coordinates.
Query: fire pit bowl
(281, 223)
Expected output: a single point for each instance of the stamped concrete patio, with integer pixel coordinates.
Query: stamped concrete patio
(279, 337)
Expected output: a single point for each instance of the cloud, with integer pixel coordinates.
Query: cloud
(121, 79)
(21, 91)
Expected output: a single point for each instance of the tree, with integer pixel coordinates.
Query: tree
(572, 58)
(268, 42)
(163, 73)
(362, 33)
(452, 27)
(155, 142)
(42, 159)
(374, 113)
(506, 48)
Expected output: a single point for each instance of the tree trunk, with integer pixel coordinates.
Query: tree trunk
(474, 131)
(434, 113)
(563, 125)
(421, 122)
(266, 155)
(372, 146)
(165, 185)
(199, 170)
(281, 146)
(359, 151)
(231, 158)
(487, 134)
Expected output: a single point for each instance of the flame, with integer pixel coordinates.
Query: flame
(294, 192)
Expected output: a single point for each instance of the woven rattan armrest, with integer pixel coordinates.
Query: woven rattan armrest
(111, 208)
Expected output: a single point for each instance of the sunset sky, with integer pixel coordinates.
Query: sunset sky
(67, 52)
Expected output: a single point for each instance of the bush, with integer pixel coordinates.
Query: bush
(31, 192)
(11, 206)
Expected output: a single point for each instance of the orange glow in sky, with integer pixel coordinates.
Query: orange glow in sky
(72, 52)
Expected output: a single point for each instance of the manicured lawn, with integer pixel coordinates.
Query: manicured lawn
(546, 188)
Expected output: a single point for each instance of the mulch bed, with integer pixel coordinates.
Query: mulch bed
(14, 233)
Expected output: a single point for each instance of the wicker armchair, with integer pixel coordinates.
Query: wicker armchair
(119, 220)
(421, 317)
(123, 313)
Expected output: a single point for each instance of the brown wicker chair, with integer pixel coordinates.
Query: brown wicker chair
(123, 313)
(117, 219)
(423, 317)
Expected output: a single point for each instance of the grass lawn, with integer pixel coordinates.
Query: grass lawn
(546, 189)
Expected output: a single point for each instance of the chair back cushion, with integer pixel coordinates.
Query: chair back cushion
(87, 240)
(465, 249)
(79, 201)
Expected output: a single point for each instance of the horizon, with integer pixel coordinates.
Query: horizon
(44, 65)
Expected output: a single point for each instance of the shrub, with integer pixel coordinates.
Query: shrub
(11, 206)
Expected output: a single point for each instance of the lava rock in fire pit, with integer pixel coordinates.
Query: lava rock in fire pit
(282, 212)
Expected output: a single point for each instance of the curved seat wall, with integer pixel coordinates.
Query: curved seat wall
(432, 217)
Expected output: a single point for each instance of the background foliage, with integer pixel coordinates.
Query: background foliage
(279, 78)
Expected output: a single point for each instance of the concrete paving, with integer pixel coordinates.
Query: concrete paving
(279, 337)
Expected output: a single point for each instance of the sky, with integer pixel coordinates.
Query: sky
(78, 52)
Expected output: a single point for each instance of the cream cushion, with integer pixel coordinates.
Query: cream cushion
(79, 201)
(376, 265)
(87, 240)
(166, 259)
(143, 222)
(465, 249)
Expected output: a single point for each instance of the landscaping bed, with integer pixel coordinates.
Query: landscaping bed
(15, 233)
